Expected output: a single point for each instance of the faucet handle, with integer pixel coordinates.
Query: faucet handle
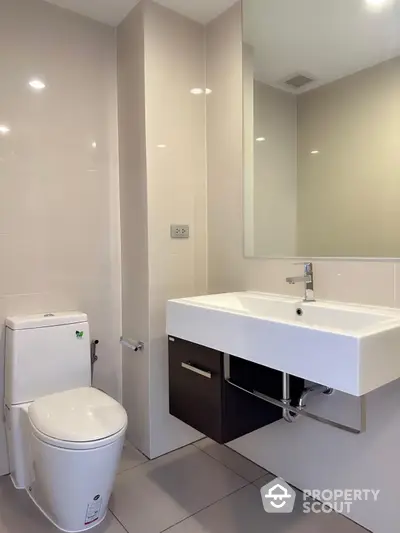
(308, 266)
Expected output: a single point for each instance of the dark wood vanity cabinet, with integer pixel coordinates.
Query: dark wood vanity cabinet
(200, 396)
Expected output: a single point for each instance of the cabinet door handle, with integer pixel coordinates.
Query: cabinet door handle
(188, 366)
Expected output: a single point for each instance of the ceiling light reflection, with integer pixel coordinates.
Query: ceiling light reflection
(37, 84)
(377, 5)
(198, 90)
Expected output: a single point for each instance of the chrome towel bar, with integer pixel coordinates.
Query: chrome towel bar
(136, 346)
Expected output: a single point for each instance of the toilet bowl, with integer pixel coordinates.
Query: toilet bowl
(65, 445)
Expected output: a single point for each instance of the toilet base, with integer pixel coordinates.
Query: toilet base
(90, 526)
(69, 487)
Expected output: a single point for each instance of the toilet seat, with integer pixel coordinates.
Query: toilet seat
(70, 445)
(77, 419)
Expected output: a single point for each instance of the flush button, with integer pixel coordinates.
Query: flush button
(47, 315)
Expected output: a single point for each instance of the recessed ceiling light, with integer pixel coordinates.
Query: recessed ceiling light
(197, 91)
(315, 152)
(261, 139)
(4, 129)
(161, 145)
(37, 84)
(94, 144)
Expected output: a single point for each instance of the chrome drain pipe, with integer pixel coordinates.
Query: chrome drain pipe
(288, 415)
(310, 392)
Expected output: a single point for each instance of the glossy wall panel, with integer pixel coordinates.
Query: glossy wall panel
(176, 185)
(134, 228)
(163, 181)
(59, 214)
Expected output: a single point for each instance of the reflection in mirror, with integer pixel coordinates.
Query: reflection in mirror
(322, 128)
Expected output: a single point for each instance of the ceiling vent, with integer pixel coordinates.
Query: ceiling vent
(298, 81)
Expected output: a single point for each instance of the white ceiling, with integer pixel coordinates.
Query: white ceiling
(201, 10)
(114, 11)
(327, 39)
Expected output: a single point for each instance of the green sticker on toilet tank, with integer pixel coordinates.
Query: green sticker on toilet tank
(79, 334)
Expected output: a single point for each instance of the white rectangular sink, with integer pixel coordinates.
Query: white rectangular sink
(351, 348)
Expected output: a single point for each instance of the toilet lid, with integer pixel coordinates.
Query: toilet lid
(78, 415)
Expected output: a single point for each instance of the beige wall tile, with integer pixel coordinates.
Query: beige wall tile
(275, 171)
(224, 153)
(134, 227)
(270, 276)
(348, 196)
(397, 285)
(163, 182)
(355, 281)
(59, 204)
(176, 183)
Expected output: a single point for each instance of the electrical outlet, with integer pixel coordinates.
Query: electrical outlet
(179, 231)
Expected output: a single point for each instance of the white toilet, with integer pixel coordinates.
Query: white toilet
(64, 437)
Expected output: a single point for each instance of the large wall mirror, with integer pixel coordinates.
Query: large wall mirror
(321, 128)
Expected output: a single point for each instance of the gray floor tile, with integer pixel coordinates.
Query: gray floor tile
(160, 493)
(18, 514)
(264, 480)
(236, 462)
(131, 457)
(242, 512)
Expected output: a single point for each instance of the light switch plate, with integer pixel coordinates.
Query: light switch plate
(179, 231)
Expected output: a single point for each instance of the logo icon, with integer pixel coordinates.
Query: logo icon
(278, 497)
(79, 334)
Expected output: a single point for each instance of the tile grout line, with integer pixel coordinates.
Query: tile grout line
(132, 467)
(119, 522)
(234, 451)
(206, 507)
(227, 467)
(147, 460)
(247, 483)
(250, 461)
(266, 472)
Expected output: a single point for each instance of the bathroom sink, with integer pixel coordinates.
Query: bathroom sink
(351, 348)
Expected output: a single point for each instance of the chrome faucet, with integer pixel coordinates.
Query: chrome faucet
(307, 279)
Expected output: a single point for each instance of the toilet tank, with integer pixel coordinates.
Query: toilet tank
(46, 354)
